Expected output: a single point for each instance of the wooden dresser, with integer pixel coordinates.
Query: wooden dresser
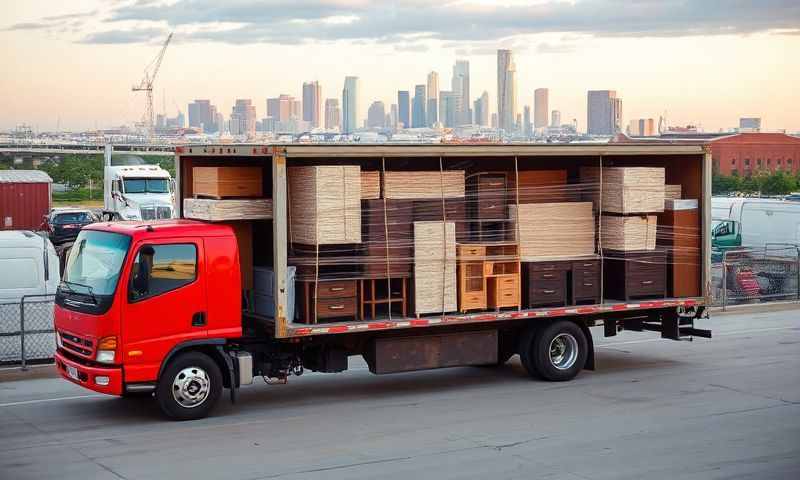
(563, 282)
(634, 275)
(332, 299)
(488, 276)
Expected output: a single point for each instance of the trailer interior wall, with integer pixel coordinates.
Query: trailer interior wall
(687, 165)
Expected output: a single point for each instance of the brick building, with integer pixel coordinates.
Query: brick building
(747, 153)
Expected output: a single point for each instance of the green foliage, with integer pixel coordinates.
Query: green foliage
(764, 182)
(76, 170)
(79, 194)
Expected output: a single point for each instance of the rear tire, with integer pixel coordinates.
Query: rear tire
(189, 387)
(556, 352)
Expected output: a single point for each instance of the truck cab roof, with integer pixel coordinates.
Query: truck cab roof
(164, 228)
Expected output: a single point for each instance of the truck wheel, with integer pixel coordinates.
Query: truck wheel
(189, 387)
(556, 353)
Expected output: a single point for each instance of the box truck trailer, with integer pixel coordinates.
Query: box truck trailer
(289, 258)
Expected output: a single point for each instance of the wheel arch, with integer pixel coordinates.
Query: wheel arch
(535, 327)
(212, 347)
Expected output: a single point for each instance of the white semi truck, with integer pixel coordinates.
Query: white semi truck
(135, 190)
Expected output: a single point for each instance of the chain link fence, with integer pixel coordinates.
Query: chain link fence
(756, 275)
(26, 331)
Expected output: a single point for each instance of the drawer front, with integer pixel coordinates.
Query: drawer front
(491, 208)
(645, 286)
(336, 307)
(587, 266)
(343, 289)
(473, 300)
(586, 288)
(546, 275)
(641, 269)
(548, 266)
(506, 298)
(547, 291)
(507, 282)
(471, 251)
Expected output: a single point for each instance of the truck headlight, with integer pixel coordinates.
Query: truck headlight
(106, 350)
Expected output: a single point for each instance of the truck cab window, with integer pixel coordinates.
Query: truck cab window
(158, 269)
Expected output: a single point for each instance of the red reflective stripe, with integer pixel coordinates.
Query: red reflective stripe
(418, 322)
(302, 331)
(340, 329)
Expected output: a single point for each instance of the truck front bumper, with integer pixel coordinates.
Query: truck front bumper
(100, 379)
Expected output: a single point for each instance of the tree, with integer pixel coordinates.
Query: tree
(778, 183)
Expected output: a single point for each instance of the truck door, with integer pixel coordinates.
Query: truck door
(164, 308)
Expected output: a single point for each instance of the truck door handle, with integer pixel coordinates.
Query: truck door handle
(199, 319)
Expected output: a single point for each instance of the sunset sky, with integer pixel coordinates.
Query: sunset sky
(72, 64)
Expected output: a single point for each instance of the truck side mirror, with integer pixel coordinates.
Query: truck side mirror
(141, 277)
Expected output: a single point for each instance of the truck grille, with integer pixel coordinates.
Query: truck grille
(156, 213)
(75, 344)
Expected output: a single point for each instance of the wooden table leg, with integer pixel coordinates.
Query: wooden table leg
(372, 284)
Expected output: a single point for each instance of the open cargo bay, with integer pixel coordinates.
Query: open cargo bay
(359, 238)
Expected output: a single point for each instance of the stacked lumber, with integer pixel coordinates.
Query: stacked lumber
(434, 267)
(424, 184)
(227, 182)
(625, 189)
(672, 192)
(553, 229)
(539, 186)
(631, 233)
(224, 210)
(325, 204)
(370, 184)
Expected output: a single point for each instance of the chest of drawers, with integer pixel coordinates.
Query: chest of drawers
(634, 275)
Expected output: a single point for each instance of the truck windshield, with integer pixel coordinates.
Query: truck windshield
(95, 262)
(146, 185)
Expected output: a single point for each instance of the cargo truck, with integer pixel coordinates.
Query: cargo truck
(163, 308)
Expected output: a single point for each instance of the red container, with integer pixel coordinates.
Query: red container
(24, 199)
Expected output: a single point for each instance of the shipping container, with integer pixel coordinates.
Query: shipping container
(24, 199)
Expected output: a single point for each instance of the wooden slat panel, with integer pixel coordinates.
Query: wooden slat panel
(554, 229)
(424, 184)
(325, 204)
(223, 210)
(434, 267)
(625, 189)
(628, 233)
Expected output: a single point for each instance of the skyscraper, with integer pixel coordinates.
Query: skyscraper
(280, 108)
(604, 112)
(393, 117)
(540, 107)
(642, 127)
(506, 90)
(404, 109)
(418, 117)
(527, 128)
(555, 118)
(203, 115)
(312, 103)
(350, 105)
(333, 116)
(481, 109)
(243, 118)
(432, 108)
(376, 115)
(448, 108)
(460, 86)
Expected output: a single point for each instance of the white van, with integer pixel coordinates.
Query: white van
(28, 268)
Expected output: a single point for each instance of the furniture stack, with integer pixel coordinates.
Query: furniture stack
(488, 276)
(561, 283)
(628, 199)
(434, 267)
(329, 299)
(487, 201)
(387, 237)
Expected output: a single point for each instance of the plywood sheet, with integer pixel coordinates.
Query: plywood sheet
(223, 210)
(672, 192)
(414, 185)
(625, 189)
(370, 184)
(325, 204)
(434, 267)
(628, 233)
(565, 229)
(227, 182)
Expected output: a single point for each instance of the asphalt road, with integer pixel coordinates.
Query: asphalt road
(722, 408)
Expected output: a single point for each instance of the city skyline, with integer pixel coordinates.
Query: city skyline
(100, 49)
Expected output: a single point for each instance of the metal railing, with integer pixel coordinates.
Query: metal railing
(756, 275)
(26, 331)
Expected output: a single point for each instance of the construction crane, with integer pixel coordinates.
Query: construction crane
(146, 86)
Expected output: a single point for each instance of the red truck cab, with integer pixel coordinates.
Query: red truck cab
(134, 293)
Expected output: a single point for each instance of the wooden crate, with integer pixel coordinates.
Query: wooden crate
(539, 186)
(625, 189)
(633, 233)
(416, 185)
(434, 267)
(554, 229)
(223, 210)
(325, 204)
(370, 184)
(227, 182)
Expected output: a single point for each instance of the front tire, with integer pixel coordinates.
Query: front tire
(557, 352)
(189, 387)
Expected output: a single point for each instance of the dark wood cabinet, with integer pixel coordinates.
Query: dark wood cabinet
(569, 282)
(634, 275)
(585, 282)
(387, 237)
(328, 300)
(487, 205)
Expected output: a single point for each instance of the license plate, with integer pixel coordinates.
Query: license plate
(72, 372)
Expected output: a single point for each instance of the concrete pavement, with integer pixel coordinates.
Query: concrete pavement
(721, 408)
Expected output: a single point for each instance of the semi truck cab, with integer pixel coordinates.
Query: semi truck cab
(134, 293)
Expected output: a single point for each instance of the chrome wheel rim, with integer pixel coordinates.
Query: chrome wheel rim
(191, 387)
(563, 351)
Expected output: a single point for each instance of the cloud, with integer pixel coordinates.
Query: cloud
(466, 23)
(28, 26)
(112, 37)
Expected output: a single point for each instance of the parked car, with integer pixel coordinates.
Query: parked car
(64, 224)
